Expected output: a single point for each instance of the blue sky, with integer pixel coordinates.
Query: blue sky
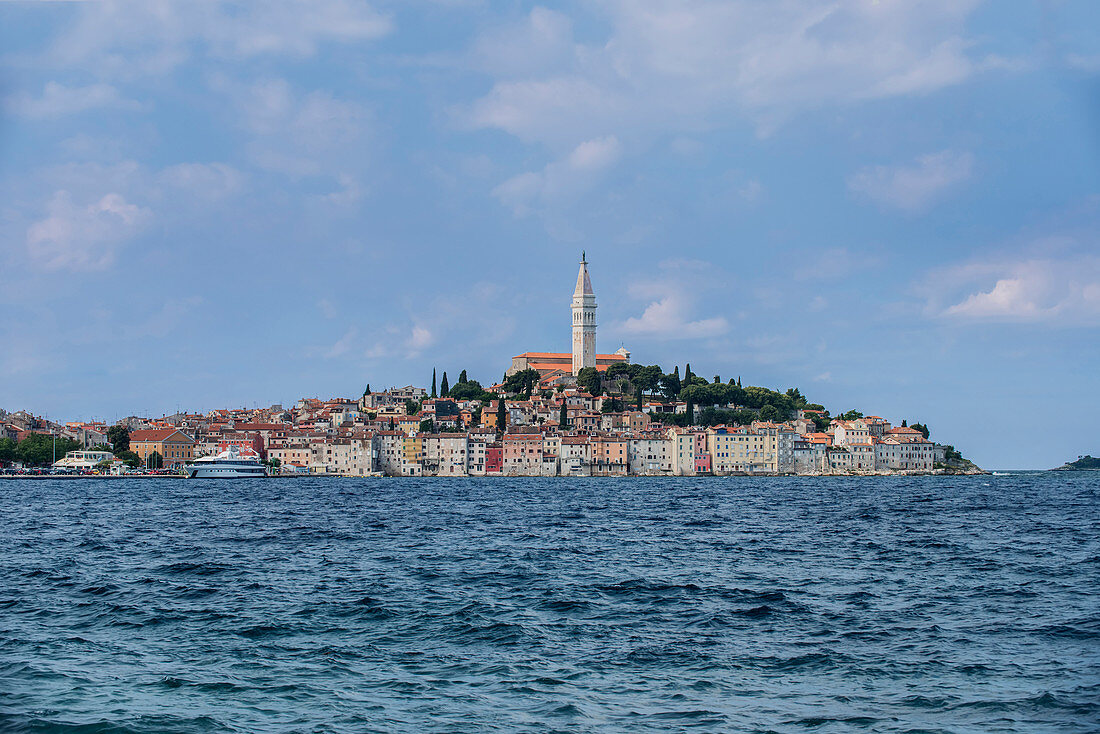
(891, 205)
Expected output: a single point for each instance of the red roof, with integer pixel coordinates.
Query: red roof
(155, 435)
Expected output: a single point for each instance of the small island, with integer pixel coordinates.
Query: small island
(1083, 463)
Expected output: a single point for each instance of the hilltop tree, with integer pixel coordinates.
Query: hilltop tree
(851, 415)
(119, 436)
(922, 428)
(670, 384)
(444, 388)
(433, 383)
(647, 377)
(796, 397)
(588, 379)
(687, 373)
(366, 391)
(523, 381)
(904, 424)
(462, 378)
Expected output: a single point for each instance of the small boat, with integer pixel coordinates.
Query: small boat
(233, 463)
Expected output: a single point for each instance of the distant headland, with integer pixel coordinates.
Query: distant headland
(1083, 463)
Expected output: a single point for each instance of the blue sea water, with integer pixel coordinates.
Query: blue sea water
(930, 604)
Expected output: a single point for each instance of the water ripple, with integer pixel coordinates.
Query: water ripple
(658, 605)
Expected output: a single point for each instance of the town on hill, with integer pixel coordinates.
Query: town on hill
(552, 414)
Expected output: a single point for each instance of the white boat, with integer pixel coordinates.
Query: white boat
(229, 464)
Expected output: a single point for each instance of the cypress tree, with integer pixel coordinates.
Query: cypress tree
(444, 388)
(462, 378)
(367, 391)
(690, 410)
(687, 374)
(563, 416)
(501, 415)
(638, 396)
(433, 382)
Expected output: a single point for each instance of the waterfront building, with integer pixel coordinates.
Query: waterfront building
(83, 460)
(175, 447)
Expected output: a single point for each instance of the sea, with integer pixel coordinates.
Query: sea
(740, 604)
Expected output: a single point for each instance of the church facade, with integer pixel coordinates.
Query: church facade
(583, 326)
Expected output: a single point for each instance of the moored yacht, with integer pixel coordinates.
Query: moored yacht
(229, 464)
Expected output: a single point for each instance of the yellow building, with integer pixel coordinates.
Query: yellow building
(174, 446)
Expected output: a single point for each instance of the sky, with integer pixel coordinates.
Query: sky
(892, 205)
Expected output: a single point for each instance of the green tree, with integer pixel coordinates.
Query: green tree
(638, 396)
(769, 413)
(796, 397)
(366, 390)
(7, 451)
(523, 381)
(39, 449)
(589, 380)
(648, 377)
(922, 428)
(502, 415)
(444, 387)
(617, 370)
(427, 426)
(469, 390)
(433, 383)
(119, 436)
(155, 461)
(851, 415)
(670, 384)
(689, 408)
(462, 378)
(563, 416)
(687, 373)
(412, 407)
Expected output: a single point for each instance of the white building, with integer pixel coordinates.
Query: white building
(584, 321)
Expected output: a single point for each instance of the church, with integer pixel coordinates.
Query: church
(555, 364)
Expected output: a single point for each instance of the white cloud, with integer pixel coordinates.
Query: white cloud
(136, 38)
(679, 66)
(1056, 289)
(419, 339)
(58, 100)
(668, 318)
(342, 345)
(561, 181)
(83, 237)
(914, 187)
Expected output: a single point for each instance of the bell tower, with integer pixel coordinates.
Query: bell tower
(584, 320)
